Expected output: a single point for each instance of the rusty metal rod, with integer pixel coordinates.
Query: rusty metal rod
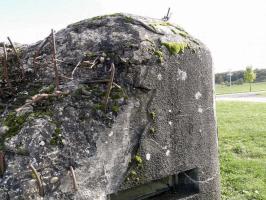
(109, 87)
(74, 178)
(74, 70)
(2, 163)
(18, 59)
(44, 42)
(5, 67)
(38, 178)
(54, 60)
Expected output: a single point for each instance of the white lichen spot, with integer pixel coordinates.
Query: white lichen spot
(101, 59)
(87, 150)
(170, 111)
(200, 110)
(63, 141)
(148, 156)
(200, 130)
(170, 123)
(110, 134)
(42, 143)
(159, 77)
(167, 152)
(181, 75)
(3, 129)
(198, 95)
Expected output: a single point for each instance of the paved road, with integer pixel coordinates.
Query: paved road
(248, 97)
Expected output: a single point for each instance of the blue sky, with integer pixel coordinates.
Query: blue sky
(234, 30)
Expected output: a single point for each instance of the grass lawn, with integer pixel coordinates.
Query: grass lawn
(223, 89)
(242, 148)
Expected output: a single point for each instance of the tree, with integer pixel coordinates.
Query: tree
(249, 76)
(219, 79)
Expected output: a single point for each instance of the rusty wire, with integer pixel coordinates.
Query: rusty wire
(109, 87)
(18, 59)
(74, 178)
(38, 178)
(54, 60)
(5, 67)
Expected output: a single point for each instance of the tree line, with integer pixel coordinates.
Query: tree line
(238, 77)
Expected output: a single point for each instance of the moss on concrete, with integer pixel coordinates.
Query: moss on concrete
(138, 159)
(117, 93)
(152, 130)
(174, 47)
(129, 19)
(99, 106)
(159, 55)
(41, 114)
(49, 89)
(174, 31)
(161, 23)
(115, 108)
(14, 124)
(56, 137)
(152, 115)
(105, 16)
(183, 34)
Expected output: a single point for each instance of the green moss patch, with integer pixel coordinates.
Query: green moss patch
(159, 55)
(174, 47)
(183, 34)
(99, 106)
(56, 137)
(174, 31)
(152, 130)
(160, 24)
(105, 16)
(49, 89)
(153, 115)
(138, 159)
(117, 93)
(115, 108)
(129, 19)
(14, 124)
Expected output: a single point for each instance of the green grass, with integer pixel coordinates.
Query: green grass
(242, 148)
(223, 89)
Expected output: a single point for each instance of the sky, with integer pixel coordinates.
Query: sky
(233, 30)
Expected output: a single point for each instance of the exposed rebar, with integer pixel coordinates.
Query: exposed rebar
(5, 67)
(74, 178)
(74, 70)
(55, 61)
(44, 42)
(17, 56)
(38, 178)
(109, 87)
(2, 163)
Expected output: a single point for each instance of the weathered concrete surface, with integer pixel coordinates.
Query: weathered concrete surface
(164, 113)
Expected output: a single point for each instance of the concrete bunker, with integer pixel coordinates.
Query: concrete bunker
(135, 120)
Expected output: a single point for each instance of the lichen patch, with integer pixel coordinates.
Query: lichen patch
(198, 95)
(181, 75)
(148, 156)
